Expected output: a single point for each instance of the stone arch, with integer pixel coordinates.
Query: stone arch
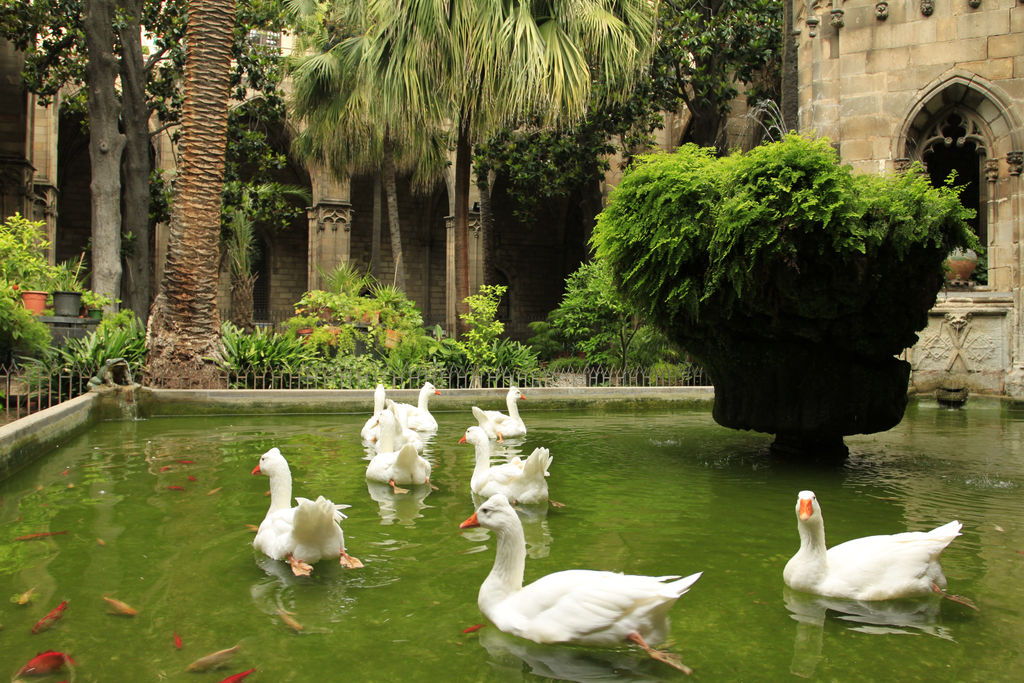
(964, 122)
(965, 92)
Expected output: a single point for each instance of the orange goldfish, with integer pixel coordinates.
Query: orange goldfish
(122, 608)
(46, 622)
(234, 678)
(214, 660)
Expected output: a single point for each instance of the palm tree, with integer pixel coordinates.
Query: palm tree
(481, 64)
(184, 324)
(349, 125)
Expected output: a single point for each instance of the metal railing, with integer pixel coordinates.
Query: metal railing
(27, 389)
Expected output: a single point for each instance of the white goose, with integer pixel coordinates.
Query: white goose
(497, 424)
(575, 606)
(404, 466)
(371, 429)
(304, 534)
(393, 433)
(417, 417)
(522, 481)
(869, 568)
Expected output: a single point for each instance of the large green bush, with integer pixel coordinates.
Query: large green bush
(793, 281)
(783, 240)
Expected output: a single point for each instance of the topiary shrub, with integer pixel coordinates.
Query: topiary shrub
(792, 280)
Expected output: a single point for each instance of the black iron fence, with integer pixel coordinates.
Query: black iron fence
(27, 389)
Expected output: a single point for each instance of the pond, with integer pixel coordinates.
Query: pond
(155, 513)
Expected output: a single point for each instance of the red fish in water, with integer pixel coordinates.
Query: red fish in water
(41, 534)
(186, 462)
(177, 640)
(234, 678)
(176, 488)
(192, 478)
(165, 468)
(48, 621)
(45, 662)
(474, 627)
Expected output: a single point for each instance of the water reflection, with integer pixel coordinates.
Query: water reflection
(563, 662)
(883, 617)
(400, 508)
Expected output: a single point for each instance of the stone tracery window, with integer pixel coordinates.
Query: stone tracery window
(955, 141)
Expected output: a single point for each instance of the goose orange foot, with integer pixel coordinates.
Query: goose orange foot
(299, 568)
(395, 487)
(669, 658)
(349, 562)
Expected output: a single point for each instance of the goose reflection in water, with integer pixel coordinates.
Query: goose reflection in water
(904, 616)
(565, 662)
(398, 508)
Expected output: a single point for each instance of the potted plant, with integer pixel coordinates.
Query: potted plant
(23, 262)
(94, 303)
(960, 266)
(66, 287)
(302, 324)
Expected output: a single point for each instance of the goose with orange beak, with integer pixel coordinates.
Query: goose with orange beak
(869, 568)
(578, 606)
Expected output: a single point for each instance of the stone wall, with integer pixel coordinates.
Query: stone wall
(913, 80)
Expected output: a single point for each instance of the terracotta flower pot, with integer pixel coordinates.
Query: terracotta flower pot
(34, 301)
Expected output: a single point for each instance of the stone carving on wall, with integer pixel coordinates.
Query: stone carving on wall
(992, 170)
(1015, 161)
(882, 10)
(956, 345)
(974, 4)
(927, 7)
(331, 216)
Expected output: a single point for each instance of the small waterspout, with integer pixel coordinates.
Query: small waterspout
(117, 373)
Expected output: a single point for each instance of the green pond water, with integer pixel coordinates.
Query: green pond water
(650, 492)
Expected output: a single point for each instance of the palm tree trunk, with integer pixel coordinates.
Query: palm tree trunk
(483, 186)
(391, 191)
(184, 325)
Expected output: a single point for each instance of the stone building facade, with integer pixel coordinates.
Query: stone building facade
(940, 82)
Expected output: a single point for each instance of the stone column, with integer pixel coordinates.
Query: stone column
(450, 319)
(476, 251)
(330, 230)
(1014, 384)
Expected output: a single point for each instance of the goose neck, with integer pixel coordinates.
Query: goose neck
(280, 491)
(506, 575)
(513, 407)
(812, 538)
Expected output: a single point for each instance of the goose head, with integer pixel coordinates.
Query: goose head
(475, 436)
(495, 514)
(807, 506)
(271, 463)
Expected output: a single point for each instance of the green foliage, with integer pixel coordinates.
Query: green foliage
(23, 248)
(781, 242)
(483, 327)
(704, 49)
(263, 351)
(515, 358)
(20, 332)
(117, 336)
(538, 164)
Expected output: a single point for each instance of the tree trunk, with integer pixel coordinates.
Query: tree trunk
(105, 147)
(184, 325)
(391, 192)
(463, 165)
(136, 163)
